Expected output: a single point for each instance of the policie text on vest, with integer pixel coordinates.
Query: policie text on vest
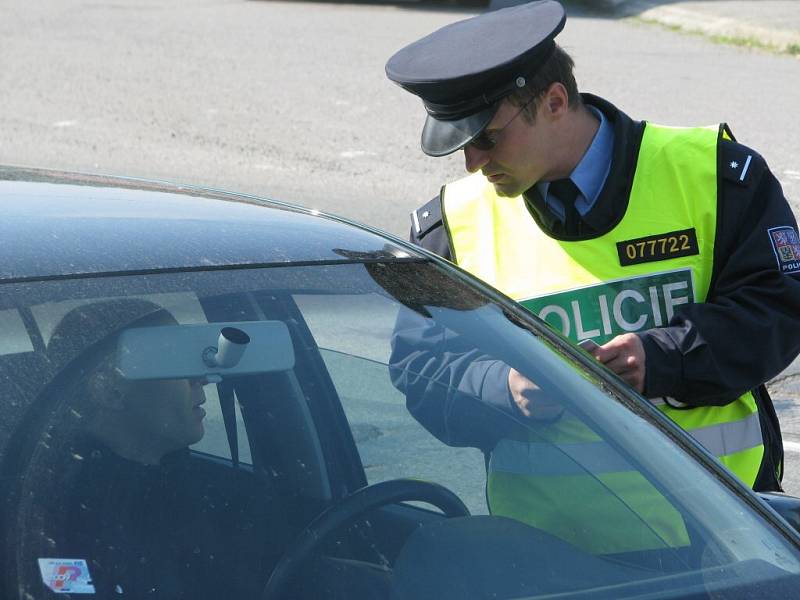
(605, 310)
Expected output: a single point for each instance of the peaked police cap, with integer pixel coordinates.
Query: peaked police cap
(463, 70)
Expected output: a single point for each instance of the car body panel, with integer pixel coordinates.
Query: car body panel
(87, 258)
(64, 225)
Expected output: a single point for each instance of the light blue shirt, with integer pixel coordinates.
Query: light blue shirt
(591, 172)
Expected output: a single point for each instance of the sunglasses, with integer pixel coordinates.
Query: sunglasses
(486, 141)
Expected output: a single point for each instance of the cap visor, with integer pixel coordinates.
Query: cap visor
(440, 138)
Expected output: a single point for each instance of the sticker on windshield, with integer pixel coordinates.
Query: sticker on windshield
(66, 575)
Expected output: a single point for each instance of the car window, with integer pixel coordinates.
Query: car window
(186, 309)
(353, 333)
(582, 469)
(171, 427)
(15, 338)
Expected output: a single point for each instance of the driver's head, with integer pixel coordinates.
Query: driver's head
(139, 420)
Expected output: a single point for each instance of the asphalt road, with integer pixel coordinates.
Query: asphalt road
(289, 100)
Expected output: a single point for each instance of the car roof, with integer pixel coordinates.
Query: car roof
(58, 224)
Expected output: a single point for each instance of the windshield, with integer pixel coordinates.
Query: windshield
(171, 435)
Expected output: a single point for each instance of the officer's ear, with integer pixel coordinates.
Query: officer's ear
(556, 101)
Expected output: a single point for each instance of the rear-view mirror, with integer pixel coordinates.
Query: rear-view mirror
(211, 350)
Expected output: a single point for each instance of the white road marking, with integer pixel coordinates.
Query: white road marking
(791, 446)
(65, 123)
(792, 174)
(355, 153)
(270, 167)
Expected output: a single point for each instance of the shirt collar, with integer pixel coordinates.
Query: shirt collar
(591, 172)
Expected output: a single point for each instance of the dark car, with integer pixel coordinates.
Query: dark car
(209, 395)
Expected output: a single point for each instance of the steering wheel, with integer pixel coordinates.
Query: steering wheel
(348, 510)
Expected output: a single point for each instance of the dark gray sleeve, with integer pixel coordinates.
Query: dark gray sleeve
(748, 330)
(456, 392)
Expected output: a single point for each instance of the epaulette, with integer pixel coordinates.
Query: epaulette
(738, 163)
(426, 218)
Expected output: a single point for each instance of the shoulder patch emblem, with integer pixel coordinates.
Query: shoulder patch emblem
(786, 246)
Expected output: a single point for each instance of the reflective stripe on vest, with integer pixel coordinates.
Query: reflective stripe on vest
(583, 492)
(582, 289)
(532, 458)
(539, 458)
(564, 479)
(547, 481)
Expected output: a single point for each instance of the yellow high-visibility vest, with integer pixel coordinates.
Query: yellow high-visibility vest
(656, 258)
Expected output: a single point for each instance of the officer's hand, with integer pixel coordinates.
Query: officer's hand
(625, 356)
(530, 399)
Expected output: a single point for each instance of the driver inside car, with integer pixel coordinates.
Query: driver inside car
(149, 521)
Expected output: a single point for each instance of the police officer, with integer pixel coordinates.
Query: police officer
(673, 249)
